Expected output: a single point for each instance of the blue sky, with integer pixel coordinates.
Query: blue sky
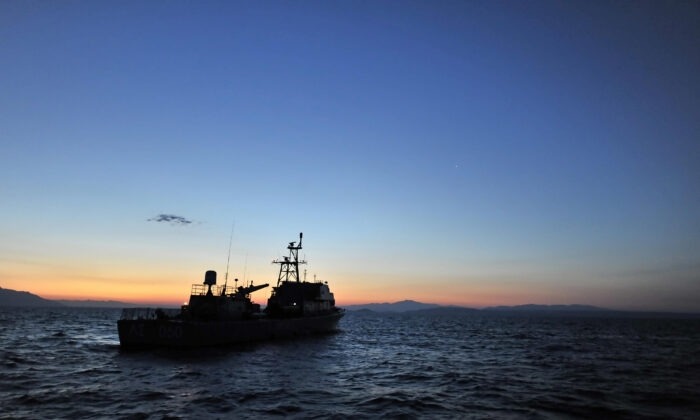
(461, 152)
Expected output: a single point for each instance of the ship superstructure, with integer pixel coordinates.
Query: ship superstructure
(293, 297)
(222, 314)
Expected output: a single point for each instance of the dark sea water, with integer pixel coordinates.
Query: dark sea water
(66, 363)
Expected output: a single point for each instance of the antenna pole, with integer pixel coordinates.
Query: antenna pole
(245, 267)
(228, 260)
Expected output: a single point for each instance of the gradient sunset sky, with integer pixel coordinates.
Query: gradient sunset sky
(460, 152)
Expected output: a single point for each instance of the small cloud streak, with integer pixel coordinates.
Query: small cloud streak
(171, 218)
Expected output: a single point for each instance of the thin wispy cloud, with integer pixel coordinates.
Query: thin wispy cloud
(172, 219)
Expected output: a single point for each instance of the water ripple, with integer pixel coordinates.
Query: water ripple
(66, 363)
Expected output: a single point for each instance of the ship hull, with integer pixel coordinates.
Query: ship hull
(144, 333)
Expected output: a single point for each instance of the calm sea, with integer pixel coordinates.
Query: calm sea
(66, 363)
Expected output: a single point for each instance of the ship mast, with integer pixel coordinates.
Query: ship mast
(289, 266)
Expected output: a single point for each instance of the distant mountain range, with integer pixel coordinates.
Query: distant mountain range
(403, 306)
(418, 308)
(412, 305)
(14, 298)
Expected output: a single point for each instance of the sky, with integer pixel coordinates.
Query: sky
(469, 153)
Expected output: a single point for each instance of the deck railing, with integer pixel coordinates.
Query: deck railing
(202, 289)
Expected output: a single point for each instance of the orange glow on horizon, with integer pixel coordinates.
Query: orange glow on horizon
(173, 288)
(170, 286)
